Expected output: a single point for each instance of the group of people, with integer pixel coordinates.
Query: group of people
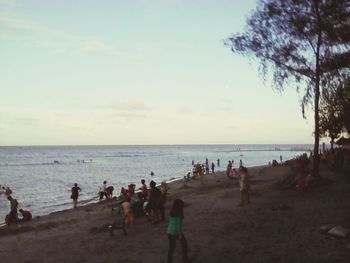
(12, 217)
(200, 169)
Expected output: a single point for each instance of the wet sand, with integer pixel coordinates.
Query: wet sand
(278, 225)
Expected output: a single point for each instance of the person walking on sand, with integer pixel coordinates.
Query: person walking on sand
(175, 230)
(75, 194)
(212, 167)
(243, 185)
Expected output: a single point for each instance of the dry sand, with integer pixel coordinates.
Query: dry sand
(278, 226)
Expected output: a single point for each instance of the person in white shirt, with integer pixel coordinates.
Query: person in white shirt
(103, 190)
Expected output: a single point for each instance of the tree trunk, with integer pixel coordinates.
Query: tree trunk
(332, 143)
(315, 168)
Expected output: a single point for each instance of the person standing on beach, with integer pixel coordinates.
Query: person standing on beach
(154, 201)
(244, 186)
(218, 161)
(175, 230)
(75, 194)
(144, 190)
(103, 189)
(13, 216)
(229, 169)
(212, 167)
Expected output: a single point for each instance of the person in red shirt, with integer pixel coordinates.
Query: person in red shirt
(26, 215)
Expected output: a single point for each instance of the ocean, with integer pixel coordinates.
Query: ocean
(41, 177)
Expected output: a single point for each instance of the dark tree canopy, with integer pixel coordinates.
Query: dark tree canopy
(299, 42)
(331, 116)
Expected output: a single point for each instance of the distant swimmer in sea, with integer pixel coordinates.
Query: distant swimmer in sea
(152, 173)
(75, 194)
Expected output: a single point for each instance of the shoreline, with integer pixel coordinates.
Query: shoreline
(115, 197)
(171, 183)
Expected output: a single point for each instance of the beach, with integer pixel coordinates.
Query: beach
(279, 225)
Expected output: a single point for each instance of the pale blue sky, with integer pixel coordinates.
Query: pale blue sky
(135, 72)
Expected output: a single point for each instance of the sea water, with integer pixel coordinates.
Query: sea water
(41, 177)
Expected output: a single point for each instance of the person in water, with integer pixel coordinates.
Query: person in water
(175, 230)
(75, 194)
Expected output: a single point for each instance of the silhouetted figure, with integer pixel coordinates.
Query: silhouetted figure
(175, 230)
(75, 194)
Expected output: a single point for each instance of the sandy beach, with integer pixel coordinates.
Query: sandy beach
(278, 226)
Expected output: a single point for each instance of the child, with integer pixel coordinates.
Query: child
(175, 230)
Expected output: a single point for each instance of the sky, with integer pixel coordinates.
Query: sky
(93, 72)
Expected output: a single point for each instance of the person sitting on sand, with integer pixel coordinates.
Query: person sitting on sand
(102, 190)
(75, 194)
(109, 192)
(243, 185)
(174, 230)
(26, 216)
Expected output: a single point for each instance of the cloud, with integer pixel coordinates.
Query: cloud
(53, 39)
(97, 47)
(185, 110)
(126, 106)
(26, 120)
(129, 116)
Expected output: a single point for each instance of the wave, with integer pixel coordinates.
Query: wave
(46, 163)
(266, 150)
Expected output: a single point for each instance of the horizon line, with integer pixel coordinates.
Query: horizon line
(186, 144)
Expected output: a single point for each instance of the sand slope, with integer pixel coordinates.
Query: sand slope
(278, 226)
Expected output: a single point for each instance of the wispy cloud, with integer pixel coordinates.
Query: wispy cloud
(126, 106)
(53, 39)
(185, 110)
